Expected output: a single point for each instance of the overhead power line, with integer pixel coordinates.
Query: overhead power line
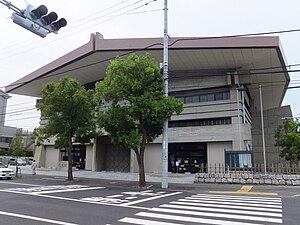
(24, 118)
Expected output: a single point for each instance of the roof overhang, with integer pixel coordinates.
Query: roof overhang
(88, 63)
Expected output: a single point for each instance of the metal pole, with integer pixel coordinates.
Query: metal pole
(11, 6)
(164, 180)
(243, 104)
(262, 130)
(239, 121)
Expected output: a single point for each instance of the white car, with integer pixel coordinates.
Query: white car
(6, 172)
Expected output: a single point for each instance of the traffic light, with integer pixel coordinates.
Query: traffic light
(38, 21)
(29, 25)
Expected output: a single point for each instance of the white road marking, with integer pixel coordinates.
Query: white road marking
(130, 198)
(114, 196)
(227, 206)
(149, 199)
(222, 210)
(22, 184)
(36, 218)
(231, 203)
(192, 219)
(83, 201)
(54, 178)
(104, 200)
(145, 222)
(250, 198)
(215, 210)
(236, 200)
(66, 190)
(220, 215)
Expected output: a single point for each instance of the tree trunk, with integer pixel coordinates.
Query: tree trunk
(140, 159)
(142, 180)
(69, 151)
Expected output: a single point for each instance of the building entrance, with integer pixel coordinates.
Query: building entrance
(187, 157)
(78, 156)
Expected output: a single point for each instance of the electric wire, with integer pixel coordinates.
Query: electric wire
(24, 118)
(14, 105)
(16, 112)
(105, 15)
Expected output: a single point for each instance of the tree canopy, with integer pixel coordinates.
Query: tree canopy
(132, 104)
(17, 147)
(69, 111)
(288, 137)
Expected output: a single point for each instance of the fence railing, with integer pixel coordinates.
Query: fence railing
(276, 169)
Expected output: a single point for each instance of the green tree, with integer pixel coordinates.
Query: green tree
(288, 137)
(132, 104)
(5, 152)
(17, 147)
(69, 110)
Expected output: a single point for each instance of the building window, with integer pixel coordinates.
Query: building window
(195, 98)
(203, 98)
(5, 139)
(188, 99)
(200, 122)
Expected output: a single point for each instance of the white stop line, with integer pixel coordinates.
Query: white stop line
(36, 218)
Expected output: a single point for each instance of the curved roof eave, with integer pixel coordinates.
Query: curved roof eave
(69, 58)
(98, 47)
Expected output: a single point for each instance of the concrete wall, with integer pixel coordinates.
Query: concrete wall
(153, 160)
(245, 178)
(215, 152)
(89, 157)
(272, 119)
(196, 83)
(3, 103)
(9, 132)
(52, 156)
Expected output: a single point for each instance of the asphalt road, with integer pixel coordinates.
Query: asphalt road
(45, 200)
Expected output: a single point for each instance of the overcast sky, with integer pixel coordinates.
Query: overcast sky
(22, 52)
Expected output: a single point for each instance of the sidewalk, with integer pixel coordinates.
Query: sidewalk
(150, 177)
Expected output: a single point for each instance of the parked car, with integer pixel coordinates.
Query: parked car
(21, 162)
(29, 161)
(6, 172)
(14, 161)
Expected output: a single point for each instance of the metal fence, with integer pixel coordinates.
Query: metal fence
(287, 169)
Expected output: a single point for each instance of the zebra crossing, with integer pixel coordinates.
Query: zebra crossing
(212, 209)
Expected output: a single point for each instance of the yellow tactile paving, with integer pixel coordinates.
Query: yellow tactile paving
(245, 190)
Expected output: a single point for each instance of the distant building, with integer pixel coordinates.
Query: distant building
(6, 133)
(218, 81)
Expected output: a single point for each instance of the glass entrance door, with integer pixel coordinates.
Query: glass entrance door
(187, 157)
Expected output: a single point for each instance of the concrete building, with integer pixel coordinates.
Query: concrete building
(219, 81)
(6, 133)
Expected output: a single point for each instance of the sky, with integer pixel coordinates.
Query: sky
(22, 52)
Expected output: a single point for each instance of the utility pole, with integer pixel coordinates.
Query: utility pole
(263, 130)
(164, 181)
